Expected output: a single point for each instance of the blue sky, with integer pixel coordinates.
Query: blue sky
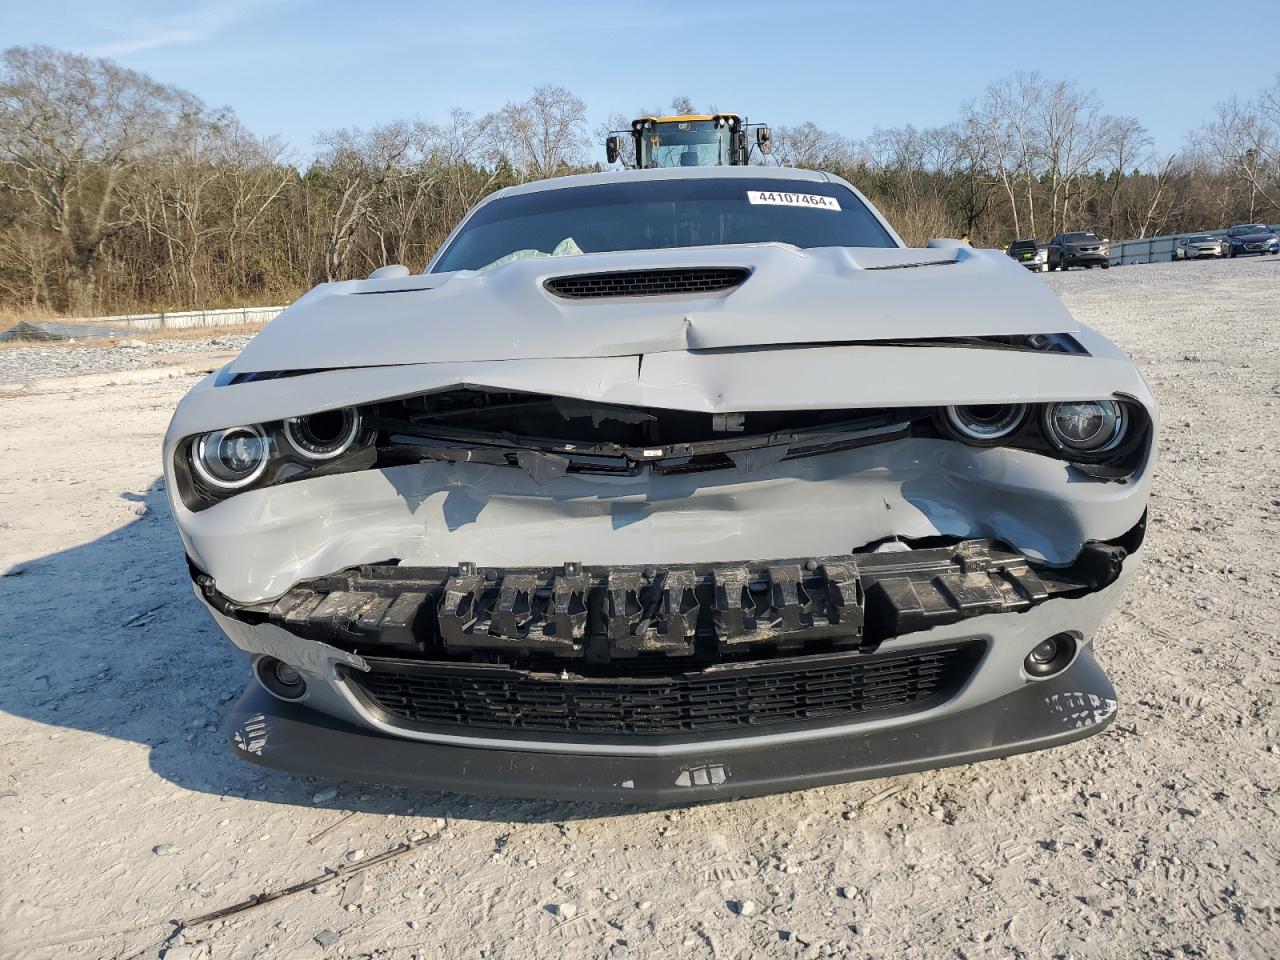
(293, 67)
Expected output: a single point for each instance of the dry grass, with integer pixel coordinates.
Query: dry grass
(10, 315)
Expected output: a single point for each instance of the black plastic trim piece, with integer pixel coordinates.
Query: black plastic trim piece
(1075, 704)
(697, 613)
(674, 281)
(680, 706)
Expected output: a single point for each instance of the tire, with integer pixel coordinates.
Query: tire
(1106, 266)
(1231, 253)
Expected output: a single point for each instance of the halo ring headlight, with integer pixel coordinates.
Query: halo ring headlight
(985, 423)
(325, 435)
(231, 458)
(1086, 427)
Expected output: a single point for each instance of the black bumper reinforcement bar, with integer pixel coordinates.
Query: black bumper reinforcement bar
(708, 611)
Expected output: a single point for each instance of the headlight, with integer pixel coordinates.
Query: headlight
(1085, 426)
(232, 458)
(323, 436)
(985, 423)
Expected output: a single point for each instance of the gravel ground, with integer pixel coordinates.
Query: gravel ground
(121, 808)
(19, 364)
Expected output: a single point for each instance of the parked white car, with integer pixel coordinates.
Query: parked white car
(662, 486)
(1193, 248)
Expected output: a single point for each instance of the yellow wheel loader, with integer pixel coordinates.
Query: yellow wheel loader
(691, 140)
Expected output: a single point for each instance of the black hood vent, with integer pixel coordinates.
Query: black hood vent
(682, 281)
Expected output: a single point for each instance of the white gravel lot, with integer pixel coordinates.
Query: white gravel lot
(21, 364)
(121, 808)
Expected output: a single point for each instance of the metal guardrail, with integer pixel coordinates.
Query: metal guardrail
(107, 328)
(1157, 249)
(187, 319)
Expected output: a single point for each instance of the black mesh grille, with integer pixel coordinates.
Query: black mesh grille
(647, 283)
(798, 690)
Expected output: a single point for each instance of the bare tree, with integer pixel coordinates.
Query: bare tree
(542, 136)
(122, 194)
(358, 170)
(71, 127)
(808, 146)
(1244, 137)
(1002, 122)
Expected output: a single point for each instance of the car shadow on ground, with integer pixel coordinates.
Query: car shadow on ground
(107, 638)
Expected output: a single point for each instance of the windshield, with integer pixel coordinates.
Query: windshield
(1253, 228)
(1201, 239)
(1077, 237)
(685, 143)
(661, 214)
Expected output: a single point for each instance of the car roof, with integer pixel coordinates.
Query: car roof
(666, 173)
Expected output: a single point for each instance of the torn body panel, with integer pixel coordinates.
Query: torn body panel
(437, 514)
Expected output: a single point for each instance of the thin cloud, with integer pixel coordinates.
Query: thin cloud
(191, 26)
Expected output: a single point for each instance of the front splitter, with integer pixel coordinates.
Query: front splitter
(1075, 704)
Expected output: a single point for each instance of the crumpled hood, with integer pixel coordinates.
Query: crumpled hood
(792, 296)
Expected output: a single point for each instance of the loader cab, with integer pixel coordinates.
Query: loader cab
(686, 141)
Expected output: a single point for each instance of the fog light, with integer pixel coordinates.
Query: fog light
(1044, 652)
(280, 679)
(1050, 656)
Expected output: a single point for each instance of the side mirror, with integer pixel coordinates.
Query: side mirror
(764, 140)
(391, 271)
(611, 149)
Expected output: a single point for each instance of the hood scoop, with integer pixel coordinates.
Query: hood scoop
(682, 281)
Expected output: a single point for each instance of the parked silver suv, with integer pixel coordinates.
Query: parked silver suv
(1081, 249)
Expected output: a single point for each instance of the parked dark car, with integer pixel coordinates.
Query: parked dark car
(1028, 253)
(1080, 249)
(1251, 238)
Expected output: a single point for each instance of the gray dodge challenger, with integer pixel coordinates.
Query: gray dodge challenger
(666, 486)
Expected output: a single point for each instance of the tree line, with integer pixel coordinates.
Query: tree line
(120, 193)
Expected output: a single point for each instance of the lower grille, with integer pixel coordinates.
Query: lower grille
(814, 690)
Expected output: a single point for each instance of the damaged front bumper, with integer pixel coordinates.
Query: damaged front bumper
(1075, 704)
(673, 685)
